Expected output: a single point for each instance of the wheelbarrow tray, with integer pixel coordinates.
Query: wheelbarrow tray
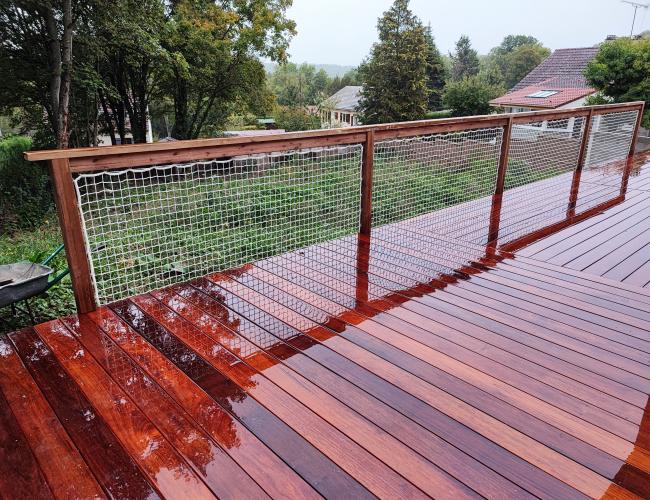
(22, 280)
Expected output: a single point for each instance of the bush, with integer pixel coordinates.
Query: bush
(470, 96)
(434, 115)
(295, 119)
(25, 191)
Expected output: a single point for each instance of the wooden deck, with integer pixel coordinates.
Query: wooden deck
(614, 244)
(416, 363)
(348, 369)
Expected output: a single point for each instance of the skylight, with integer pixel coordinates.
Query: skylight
(543, 93)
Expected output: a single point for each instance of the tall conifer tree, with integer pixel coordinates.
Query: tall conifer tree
(394, 77)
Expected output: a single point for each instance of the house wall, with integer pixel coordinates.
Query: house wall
(339, 118)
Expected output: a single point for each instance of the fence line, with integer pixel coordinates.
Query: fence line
(247, 198)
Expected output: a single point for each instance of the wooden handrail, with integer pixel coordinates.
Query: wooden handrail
(65, 163)
(82, 159)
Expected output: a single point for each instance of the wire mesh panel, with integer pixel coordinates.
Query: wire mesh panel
(449, 173)
(150, 227)
(542, 158)
(609, 145)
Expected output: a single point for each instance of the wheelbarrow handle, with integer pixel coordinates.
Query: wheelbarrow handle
(56, 252)
(57, 278)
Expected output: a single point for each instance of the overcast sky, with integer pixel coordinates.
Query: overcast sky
(342, 31)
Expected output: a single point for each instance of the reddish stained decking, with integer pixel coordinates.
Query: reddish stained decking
(408, 365)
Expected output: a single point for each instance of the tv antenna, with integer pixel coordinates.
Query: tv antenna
(636, 6)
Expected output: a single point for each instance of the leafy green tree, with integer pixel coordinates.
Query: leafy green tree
(470, 96)
(302, 85)
(464, 60)
(516, 56)
(395, 75)
(337, 83)
(214, 49)
(436, 72)
(130, 62)
(621, 71)
(36, 59)
(512, 42)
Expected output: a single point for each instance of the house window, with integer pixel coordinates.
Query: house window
(543, 93)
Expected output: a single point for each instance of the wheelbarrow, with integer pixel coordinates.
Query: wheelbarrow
(20, 281)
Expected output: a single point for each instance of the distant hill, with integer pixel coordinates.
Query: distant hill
(331, 69)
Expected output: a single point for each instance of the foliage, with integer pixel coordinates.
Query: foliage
(337, 83)
(464, 60)
(25, 192)
(36, 59)
(522, 61)
(395, 75)
(302, 85)
(514, 58)
(34, 245)
(295, 118)
(434, 115)
(470, 96)
(621, 71)
(436, 71)
(214, 49)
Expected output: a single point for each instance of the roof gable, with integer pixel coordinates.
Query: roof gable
(346, 99)
(563, 68)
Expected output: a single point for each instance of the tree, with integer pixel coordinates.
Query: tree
(394, 77)
(302, 85)
(516, 56)
(130, 62)
(470, 96)
(436, 72)
(464, 60)
(36, 59)
(214, 48)
(621, 71)
(337, 83)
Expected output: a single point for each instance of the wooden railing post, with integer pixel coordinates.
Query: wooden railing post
(75, 249)
(497, 197)
(629, 164)
(637, 127)
(366, 183)
(577, 173)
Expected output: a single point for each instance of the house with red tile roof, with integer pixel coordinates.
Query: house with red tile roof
(557, 83)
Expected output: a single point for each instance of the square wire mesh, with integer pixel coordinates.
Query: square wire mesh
(542, 159)
(151, 227)
(610, 139)
(451, 173)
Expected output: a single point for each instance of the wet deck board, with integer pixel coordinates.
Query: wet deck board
(614, 244)
(357, 367)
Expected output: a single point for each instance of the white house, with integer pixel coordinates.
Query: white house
(340, 109)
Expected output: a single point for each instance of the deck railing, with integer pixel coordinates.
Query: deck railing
(138, 217)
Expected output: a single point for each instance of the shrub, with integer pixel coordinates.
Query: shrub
(25, 191)
(294, 119)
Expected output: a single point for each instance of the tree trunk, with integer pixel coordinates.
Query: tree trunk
(181, 111)
(54, 63)
(63, 134)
